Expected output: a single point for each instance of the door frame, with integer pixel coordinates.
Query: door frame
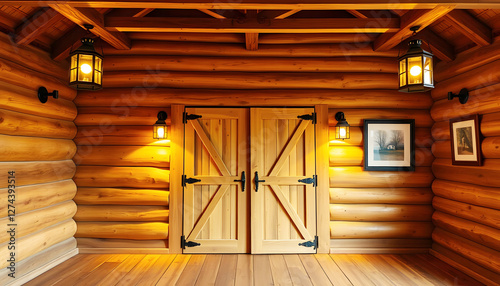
(176, 171)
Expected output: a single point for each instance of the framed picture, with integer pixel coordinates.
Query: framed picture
(389, 145)
(465, 141)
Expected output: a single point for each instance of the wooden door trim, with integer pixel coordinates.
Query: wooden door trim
(323, 184)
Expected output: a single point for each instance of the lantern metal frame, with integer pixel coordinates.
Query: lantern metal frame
(87, 49)
(162, 116)
(342, 123)
(415, 50)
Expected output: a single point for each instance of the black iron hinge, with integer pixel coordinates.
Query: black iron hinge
(186, 117)
(185, 243)
(311, 116)
(313, 243)
(186, 180)
(313, 180)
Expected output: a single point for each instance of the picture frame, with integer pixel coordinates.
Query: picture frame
(465, 141)
(389, 144)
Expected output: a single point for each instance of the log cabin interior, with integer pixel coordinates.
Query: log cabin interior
(249, 182)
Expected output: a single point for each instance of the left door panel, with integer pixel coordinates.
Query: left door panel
(216, 206)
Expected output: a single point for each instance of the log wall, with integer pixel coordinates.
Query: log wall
(467, 199)
(122, 173)
(36, 144)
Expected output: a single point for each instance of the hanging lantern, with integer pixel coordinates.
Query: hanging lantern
(416, 69)
(160, 127)
(342, 129)
(86, 66)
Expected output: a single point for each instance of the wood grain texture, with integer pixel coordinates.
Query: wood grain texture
(355, 177)
(147, 156)
(481, 215)
(380, 212)
(116, 135)
(107, 117)
(123, 230)
(120, 243)
(347, 229)
(356, 117)
(423, 137)
(487, 175)
(121, 213)
(381, 195)
(122, 196)
(489, 125)
(134, 177)
(29, 173)
(21, 148)
(354, 156)
(467, 193)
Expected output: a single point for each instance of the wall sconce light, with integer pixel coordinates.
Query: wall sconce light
(416, 68)
(86, 65)
(463, 95)
(43, 94)
(342, 129)
(160, 127)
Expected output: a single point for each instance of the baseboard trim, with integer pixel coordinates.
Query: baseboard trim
(124, 250)
(39, 271)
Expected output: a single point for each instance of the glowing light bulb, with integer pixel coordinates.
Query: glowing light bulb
(86, 68)
(160, 132)
(415, 70)
(342, 132)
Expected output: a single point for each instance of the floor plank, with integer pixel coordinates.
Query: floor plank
(192, 270)
(332, 270)
(173, 273)
(208, 273)
(279, 270)
(244, 270)
(262, 270)
(227, 274)
(314, 270)
(120, 271)
(356, 277)
(156, 270)
(297, 271)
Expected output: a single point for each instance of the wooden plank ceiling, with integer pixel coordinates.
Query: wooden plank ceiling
(448, 28)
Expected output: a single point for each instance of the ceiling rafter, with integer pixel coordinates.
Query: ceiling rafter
(439, 47)
(251, 25)
(213, 14)
(62, 46)
(81, 16)
(422, 18)
(357, 14)
(471, 27)
(129, 12)
(36, 25)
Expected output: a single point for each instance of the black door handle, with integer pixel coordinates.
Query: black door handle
(243, 181)
(256, 181)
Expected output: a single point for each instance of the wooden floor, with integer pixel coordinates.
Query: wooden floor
(321, 269)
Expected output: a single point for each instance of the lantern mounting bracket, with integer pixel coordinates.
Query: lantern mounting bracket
(88, 26)
(463, 95)
(43, 94)
(414, 29)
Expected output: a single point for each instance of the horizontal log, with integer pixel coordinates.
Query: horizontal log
(39, 260)
(467, 193)
(354, 156)
(236, 50)
(467, 61)
(32, 58)
(356, 117)
(235, 38)
(488, 175)
(120, 243)
(117, 135)
(380, 195)
(21, 124)
(108, 117)
(17, 74)
(481, 77)
(244, 80)
(133, 177)
(380, 243)
(343, 229)
(147, 156)
(32, 244)
(153, 97)
(117, 196)
(123, 230)
(465, 265)
(478, 253)
(38, 196)
(423, 137)
(21, 148)
(380, 212)
(481, 101)
(481, 215)
(489, 125)
(442, 149)
(441, 130)
(33, 221)
(121, 213)
(245, 64)
(29, 173)
(356, 177)
(22, 100)
(479, 233)
(491, 147)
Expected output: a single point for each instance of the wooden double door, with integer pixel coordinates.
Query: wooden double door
(249, 183)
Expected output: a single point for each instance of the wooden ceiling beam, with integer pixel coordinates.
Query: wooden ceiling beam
(422, 18)
(357, 14)
(81, 16)
(213, 14)
(71, 39)
(261, 5)
(156, 24)
(36, 25)
(439, 47)
(471, 27)
(130, 12)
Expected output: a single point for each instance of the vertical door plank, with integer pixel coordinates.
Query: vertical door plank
(189, 171)
(216, 217)
(293, 190)
(283, 221)
(205, 169)
(257, 199)
(270, 204)
(310, 196)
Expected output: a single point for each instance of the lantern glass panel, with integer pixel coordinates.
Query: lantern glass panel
(98, 70)
(428, 71)
(342, 132)
(415, 70)
(85, 67)
(402, 72)
(159, 131)
(74, 68)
